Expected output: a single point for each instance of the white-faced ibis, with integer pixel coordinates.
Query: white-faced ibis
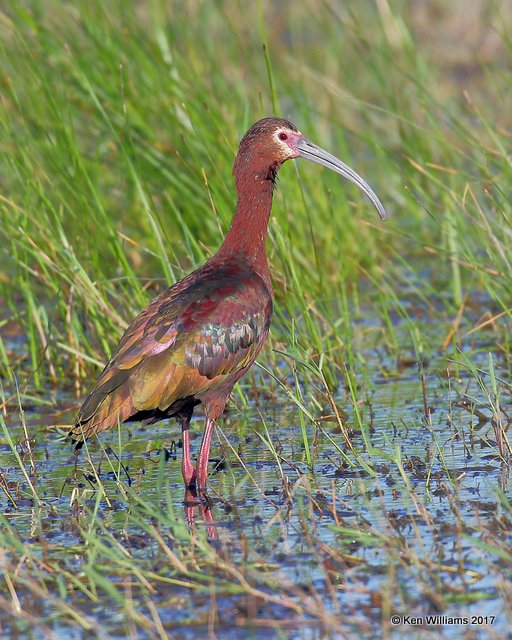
(193, 342)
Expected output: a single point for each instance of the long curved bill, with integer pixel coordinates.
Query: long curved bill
(311, 152)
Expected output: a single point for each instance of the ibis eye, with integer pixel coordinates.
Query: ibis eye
(283, 136)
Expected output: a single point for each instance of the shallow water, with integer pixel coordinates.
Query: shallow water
(451, 465)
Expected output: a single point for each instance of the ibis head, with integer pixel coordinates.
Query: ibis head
(272, 141)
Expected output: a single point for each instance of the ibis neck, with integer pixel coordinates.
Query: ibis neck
(248, 231)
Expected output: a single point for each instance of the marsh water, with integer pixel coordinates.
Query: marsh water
(434, 492)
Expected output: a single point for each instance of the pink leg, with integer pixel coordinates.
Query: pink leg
(187, 468)
(204, 454)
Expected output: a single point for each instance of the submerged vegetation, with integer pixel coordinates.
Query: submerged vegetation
(362, 469)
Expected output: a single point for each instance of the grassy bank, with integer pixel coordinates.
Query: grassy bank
(118, 130)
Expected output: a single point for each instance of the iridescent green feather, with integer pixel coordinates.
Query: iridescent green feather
(195, 337)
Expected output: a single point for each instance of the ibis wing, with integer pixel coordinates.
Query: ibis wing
(194, 337)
